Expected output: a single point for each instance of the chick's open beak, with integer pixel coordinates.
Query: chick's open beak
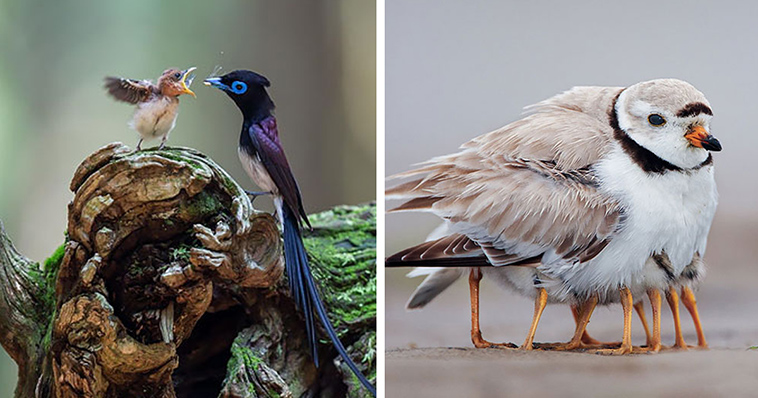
(186, 81)
(697, 136)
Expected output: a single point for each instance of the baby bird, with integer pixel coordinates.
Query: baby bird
(157, 104)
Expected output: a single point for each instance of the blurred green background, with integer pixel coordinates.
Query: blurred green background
(319, 55)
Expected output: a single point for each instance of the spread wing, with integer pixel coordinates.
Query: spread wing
(128, 90)
(265, 136)
(527, 190)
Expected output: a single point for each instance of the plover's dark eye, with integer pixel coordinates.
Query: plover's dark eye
(177, 75)
(656, 120)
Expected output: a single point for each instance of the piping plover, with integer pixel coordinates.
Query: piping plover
(595, 188)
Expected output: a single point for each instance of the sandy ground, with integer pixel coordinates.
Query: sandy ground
(429, 353)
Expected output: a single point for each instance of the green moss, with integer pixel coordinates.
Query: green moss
(176, 155)
(45, 276)
(242, 355)
(231, 186)
(342, 247)
(181, 253)
(47, 279)
(203, 205)
(342, 250)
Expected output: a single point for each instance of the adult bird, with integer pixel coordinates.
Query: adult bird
(609, 191)
(157, 104)
(262, 157)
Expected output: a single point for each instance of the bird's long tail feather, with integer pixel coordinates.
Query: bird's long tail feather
(303, 289)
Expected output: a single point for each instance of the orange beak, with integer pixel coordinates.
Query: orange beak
(700, 138)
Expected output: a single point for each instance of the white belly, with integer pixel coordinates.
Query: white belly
(257, 172)
(669, 212)
(156, 118)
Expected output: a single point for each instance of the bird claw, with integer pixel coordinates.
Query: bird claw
(255, 194)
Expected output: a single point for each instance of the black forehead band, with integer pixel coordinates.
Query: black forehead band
(694, 109)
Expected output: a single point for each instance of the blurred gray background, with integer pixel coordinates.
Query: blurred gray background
(456, 70)
(319, 55)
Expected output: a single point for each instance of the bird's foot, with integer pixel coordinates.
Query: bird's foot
(163, 142)
(590, 341)
(594, 343)
(255, 194)
(623, 350)
(648, 349)
(683, 347)
(480, 342)
(486, 344)
(574, 345)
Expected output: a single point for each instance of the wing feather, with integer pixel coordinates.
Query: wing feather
(529, 187)
(266, 138)
(128, 90)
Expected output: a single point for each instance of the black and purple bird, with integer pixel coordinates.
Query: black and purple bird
(263, 159)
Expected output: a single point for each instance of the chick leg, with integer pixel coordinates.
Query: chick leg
(476, 334)
(586, 338)
(640, 308)
(139, 144)
(539, 305)
(626, 342)
(688, 299)
(673, 299)
(654, 343)
(163, 142)
(585, 312)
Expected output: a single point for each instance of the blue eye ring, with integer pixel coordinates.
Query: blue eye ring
(238, 87)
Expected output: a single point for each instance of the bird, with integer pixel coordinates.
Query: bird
(594, 187)
(263, 158)
(527, 281)
(157, 104)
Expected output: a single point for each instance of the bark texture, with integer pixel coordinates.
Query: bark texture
(170, 284)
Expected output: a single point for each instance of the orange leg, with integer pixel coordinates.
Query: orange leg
(673, 299)
(476, 334)
(585, 312)
(688, 299)
(586, 338)
(626, 342)
(539, 305)
(654, 343)
(640, 308)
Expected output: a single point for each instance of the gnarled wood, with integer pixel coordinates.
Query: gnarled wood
(169, 277)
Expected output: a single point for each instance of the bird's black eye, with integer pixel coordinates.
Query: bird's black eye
(177, 75)
(656, 120)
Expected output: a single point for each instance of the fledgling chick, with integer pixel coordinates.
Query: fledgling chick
(157, 104)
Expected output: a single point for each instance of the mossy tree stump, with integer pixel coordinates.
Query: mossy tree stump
(170, 284)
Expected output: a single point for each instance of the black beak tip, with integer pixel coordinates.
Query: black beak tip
(712, 144)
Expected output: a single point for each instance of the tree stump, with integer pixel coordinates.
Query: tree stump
(170, 284)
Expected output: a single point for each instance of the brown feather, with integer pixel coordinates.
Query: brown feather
(422, 203)
(128, 90)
